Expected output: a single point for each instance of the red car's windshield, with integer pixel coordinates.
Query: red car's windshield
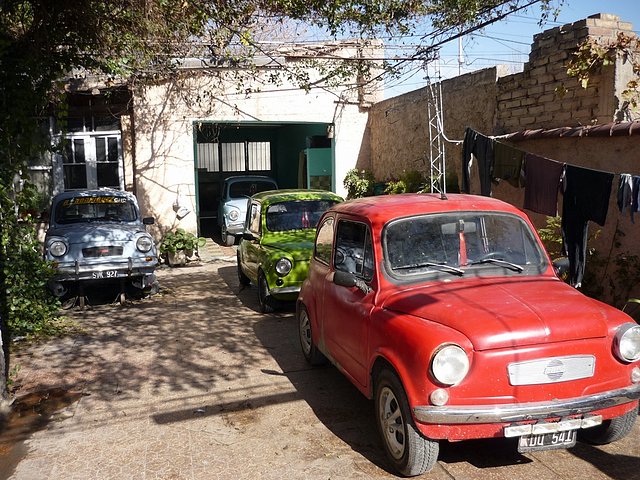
(421, 244)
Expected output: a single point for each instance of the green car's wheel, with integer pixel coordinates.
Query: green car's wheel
(242, 278)
(264, 297)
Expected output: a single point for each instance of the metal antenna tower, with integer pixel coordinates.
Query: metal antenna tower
(436, 152)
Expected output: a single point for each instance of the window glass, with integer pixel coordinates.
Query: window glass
(419, 244)
(87, 209)
(232, 157)
(248, 188)
(296, 214)
(259, 155)
(353, 246)
(254, 218)
(324, 241)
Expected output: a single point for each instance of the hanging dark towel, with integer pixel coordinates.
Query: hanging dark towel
(626, 198)
(635, 192)
(508, 164)
(482, 148)
(586, 197)
(625, 190)
(542, 179)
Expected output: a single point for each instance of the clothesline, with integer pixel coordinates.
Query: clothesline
(586, 192)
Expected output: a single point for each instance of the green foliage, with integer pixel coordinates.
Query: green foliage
(410, 181)
(359, 183)
(181, 240)
(27, 304)
(551, 236)
(394, 187)
(594, 53)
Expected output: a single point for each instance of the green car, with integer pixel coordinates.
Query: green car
(277, 242)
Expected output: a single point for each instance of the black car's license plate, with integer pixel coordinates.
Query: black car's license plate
(547, 441)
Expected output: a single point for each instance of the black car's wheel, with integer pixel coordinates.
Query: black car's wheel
(610, 430)
(409, 452)
(264, 297)
(309, 349)
(242, 278)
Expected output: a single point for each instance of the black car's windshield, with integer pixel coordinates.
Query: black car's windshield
(98, 208)
(463, 241)
(296, 214)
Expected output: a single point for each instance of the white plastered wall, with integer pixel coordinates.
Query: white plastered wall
(164, 116)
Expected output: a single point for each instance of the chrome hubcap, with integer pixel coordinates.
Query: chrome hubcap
(391, 422)
(305, 333)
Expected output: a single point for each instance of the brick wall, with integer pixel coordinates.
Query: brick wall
(544, 96)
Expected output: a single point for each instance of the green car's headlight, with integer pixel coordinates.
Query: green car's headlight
(283, 266)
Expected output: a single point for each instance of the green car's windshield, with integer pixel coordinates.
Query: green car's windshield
(460, 243)
(98, 208)
(296, 214)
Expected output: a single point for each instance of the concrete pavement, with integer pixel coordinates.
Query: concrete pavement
(194, 383)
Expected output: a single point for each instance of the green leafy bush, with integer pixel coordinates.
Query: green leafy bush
(181, 240)
(27, 303)
(359, 183)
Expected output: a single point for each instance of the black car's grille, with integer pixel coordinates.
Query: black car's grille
(107, 251)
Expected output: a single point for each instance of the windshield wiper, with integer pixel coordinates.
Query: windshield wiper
(498, 261)
(438, 266)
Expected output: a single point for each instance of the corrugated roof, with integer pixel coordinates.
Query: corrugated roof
(613, 129)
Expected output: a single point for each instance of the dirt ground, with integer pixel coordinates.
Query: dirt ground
(194, 383)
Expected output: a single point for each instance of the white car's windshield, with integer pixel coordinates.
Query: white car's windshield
(98, 208)
(456, 243)
(247, 188)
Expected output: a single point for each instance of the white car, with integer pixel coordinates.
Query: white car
(96, 237)
(232, 209)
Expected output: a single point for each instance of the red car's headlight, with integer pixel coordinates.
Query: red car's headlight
(626, 343)
(450, 364)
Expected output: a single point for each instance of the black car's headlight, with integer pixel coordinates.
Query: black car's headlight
(626, 343)
(450, 364)
(144, 243)
(57, 248)
(283, 266)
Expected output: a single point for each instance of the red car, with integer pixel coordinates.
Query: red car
(448, 313)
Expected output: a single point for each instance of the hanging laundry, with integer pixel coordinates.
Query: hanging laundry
(586, 197)
(542, 179)
(635, 195)
(508, 164)
(625, 190)
(482, 149)
(628, 190)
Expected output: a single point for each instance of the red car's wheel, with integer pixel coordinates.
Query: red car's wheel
(610, 430)
(409, 452)
(309, 349)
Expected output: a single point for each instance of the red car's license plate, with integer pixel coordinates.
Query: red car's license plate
(547, 441)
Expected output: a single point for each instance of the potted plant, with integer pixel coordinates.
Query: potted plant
(178, 246)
